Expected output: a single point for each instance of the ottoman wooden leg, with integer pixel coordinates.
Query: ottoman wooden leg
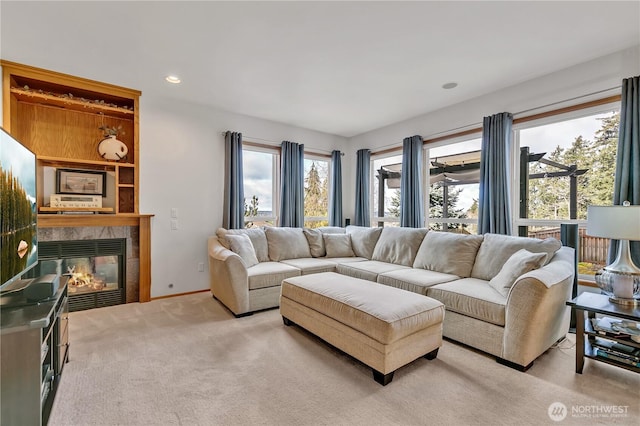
(287, 322)
(383, 379)
(433, 354)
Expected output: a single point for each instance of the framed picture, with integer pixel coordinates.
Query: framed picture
(69, 181)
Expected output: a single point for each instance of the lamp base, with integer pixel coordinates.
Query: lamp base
(622, 288)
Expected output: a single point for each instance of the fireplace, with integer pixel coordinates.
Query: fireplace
(96, 270)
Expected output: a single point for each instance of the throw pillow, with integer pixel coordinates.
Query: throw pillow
(286, 243)
(258, 239)
(338, 245)
(316, 243)
(448, 253)
(242, 246)
(398, 245)
(519, 263)
(363, 240)
(496, 249)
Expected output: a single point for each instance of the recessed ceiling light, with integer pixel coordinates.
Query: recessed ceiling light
(449, 85)
(172, 79)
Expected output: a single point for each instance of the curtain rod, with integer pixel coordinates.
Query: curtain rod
(276, 145)
(474, 127)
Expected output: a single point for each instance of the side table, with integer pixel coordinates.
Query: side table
(592, 304)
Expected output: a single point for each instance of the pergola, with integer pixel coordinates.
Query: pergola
(464, 169)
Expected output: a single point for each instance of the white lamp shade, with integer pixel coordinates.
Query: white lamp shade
(615, 222)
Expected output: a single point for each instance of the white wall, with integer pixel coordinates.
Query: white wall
(182, 166)
(590, 77)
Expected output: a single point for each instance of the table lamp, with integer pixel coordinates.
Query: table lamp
(620, 280)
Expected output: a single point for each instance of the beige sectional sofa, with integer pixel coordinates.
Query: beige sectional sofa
(503, 295)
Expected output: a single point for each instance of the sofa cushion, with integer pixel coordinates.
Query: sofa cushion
(310, 265)
(241, 244)
(415, 280)
(496, 249)
(398, 245)
(258, 239)
(316, 243)
(519, 263)
(270, 274)
(367, 270)
(363, 240)
(286, 243)
(332, 230)
(338, 245)
(448, 253)
(471, 297)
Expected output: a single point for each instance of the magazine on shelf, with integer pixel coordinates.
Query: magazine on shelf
(615, 327)
(616, 348)
(602, 353)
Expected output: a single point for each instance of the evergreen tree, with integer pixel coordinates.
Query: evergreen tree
(436, 204)
(315, 197)
(549, 197)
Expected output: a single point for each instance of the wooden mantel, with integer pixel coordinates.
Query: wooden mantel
(142, 221)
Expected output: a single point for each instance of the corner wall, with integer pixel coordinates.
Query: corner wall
(182, 166)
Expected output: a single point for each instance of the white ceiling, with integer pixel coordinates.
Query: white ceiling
(338, 67)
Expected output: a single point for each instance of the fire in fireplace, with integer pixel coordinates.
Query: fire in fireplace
(96, 270)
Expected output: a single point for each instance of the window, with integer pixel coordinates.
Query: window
(567, 163)
(385, 196)
(453, 186)
(316, 192)
(260, 175)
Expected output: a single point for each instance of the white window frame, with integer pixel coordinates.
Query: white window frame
(372, 183)
(275, 198)
(327, 160)
(427, 185)
(515, 163)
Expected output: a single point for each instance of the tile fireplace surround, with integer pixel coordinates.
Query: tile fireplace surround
(130, 233)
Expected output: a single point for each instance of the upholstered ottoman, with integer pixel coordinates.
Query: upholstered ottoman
(381, 326)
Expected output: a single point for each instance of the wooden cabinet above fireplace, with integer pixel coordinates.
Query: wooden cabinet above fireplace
(59, 116)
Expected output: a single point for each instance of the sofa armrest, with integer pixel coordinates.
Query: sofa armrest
(228, 277)
(536, 312)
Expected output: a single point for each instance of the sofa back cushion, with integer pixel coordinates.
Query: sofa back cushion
(286, 243)
(398, 245)
(242, 245)
(363, 240)
(332, 230)
(257, 236)
(316, 243)
(338, 245)
(496, 249)
(448, 253)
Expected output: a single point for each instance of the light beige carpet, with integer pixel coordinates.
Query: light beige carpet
(188, 361)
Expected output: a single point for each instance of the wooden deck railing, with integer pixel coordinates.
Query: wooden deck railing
(590, 249)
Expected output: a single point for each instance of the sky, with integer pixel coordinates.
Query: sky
(20, 161)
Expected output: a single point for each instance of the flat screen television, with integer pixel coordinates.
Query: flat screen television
(18, 210)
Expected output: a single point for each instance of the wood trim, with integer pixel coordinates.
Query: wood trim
(261, 145)
(144, 257)
(387, 151)
(28, 71)
(453, 135)
(168, 296)
(587, 283)
(577, 107)
(62, 220)
(278, 149)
